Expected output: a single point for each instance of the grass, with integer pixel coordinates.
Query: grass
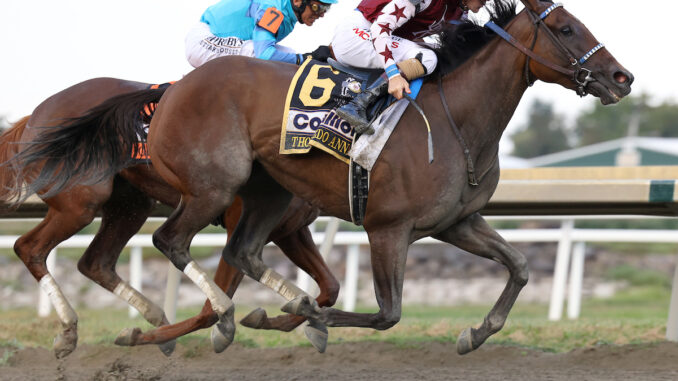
(637, 316)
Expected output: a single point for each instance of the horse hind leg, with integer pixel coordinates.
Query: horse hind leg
(226, 277)
(299, 247)
(475, 236)
(64, 218)
(174, 237)
(122, 216)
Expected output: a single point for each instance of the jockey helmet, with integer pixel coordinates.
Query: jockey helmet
(304, 3)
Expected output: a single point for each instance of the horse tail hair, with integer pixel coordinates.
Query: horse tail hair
(8, 148)
(87, 149)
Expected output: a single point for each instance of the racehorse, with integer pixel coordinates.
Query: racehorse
(125, 200)
(230, 110)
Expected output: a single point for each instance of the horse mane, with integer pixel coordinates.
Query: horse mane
(459, 42)
(8, 148)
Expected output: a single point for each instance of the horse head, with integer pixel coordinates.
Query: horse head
(574, 58)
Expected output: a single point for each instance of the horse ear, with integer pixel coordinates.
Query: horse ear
(531, 4)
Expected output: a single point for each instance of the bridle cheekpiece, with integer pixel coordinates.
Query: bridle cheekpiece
(579, 74)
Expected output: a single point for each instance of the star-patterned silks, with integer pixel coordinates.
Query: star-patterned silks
(385, 28)
(387, 53)
(398, 13)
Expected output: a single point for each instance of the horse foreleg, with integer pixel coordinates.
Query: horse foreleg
(299, 247)
(475, 236)
(65, 217)
(388, 254)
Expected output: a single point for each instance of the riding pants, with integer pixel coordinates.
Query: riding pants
(203, 46)
(352, 45)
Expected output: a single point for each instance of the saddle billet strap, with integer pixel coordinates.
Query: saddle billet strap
(470, 168)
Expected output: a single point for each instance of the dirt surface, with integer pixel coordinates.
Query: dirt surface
(348, 361)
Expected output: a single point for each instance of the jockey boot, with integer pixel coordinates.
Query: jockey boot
(355, 111)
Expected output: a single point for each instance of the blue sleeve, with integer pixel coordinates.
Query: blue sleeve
(265, 47)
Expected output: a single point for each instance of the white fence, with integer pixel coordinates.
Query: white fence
(570, 258)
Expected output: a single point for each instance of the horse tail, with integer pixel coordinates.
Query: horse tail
(85, 150)
(8, 148)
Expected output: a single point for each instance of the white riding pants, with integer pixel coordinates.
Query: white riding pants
(203, 46)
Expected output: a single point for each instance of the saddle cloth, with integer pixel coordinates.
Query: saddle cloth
(310, 120)
(141, 155)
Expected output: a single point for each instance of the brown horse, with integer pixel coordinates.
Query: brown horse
(230, 109)
(125, 201)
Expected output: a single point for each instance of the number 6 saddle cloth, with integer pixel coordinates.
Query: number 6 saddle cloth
(316, 91)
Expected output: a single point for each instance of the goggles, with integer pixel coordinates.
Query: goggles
(318, 8)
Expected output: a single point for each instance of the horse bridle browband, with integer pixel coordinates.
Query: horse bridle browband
(580, 75)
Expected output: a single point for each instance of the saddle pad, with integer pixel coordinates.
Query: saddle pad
(309, 120)
(366, 149)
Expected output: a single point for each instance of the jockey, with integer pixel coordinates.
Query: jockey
(380, 34)
(253, 28)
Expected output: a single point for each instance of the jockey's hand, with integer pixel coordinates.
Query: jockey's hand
(396, 86)
(322, 53)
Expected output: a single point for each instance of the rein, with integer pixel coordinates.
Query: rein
(580, 75)
(470, 168)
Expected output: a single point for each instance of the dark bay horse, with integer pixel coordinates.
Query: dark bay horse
(124, 201)
(230, 109)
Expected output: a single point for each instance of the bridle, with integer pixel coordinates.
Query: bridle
(579, 74)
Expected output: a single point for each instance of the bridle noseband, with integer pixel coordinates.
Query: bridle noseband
(579, 74)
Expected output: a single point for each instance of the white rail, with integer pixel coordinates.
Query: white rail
(570, 254)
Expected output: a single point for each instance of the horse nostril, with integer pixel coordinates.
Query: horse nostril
(623, 78)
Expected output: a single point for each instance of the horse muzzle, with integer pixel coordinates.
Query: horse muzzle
(610, 88)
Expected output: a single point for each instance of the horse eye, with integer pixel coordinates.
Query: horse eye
(566, 31)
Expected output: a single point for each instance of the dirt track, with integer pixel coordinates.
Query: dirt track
(349, 361)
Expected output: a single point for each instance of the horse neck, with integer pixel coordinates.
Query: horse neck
(485, 92)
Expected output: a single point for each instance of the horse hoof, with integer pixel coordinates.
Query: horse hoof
(167, 348)
(128, 337)
(65, 343)
(301, 305)
(465, 342)
(316, 333)
(224, 332)
(219, 341)
(255, 319)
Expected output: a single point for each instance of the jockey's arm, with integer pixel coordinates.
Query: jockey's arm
(393, 15)
(265, 47)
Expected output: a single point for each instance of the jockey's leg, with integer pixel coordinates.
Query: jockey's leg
(413, 60)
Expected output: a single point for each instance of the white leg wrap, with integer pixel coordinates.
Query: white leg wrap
(220, 301)
(63, 309)
(280, 285)
(134, 298)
